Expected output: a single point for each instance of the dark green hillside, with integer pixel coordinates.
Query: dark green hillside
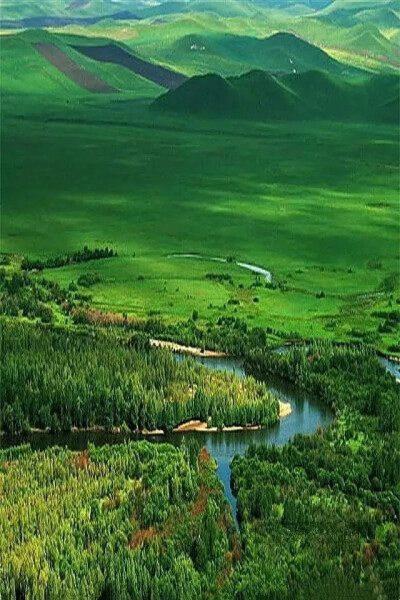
(323, 94)
(267, 95)
(279, 53)
(253, 95)
(300, 55)
(306, 96)
(222, 97)
(384, 105)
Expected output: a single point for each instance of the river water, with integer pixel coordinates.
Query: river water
(392, 367)
(307, 414)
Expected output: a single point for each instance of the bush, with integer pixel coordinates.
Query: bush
(89, 279)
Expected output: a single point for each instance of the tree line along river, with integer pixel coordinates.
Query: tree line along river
(307, 414)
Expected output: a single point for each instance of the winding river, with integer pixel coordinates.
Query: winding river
(306, 415)
(253, 268)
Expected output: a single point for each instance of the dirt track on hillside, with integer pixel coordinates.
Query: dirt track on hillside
(54, 55)
(114, 54)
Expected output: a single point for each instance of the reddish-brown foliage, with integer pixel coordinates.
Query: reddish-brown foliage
(204, 456)
(236, 551)
(82, 460)
(97, 317)
(140, 537)
(370, 551)
(200, 505)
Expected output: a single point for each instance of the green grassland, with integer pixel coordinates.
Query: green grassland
(316, 204)
(23, 68)
(254, 192)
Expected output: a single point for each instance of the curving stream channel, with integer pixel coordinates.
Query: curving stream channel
(307, 414)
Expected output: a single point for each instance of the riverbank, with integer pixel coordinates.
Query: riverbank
(285, 409)
(201, 426)
(191, 350)
(93, 429)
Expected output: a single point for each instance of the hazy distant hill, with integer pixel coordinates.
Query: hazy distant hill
(71, 9)
(305, 96)
(346, 13)
(11, 10)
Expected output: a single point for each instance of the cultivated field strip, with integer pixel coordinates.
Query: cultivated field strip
(114, 54)
(73, 70)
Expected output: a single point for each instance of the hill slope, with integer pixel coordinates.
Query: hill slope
(307, 96)
(231, 54)
(38, 63)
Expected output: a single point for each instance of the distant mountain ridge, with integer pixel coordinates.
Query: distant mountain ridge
(63, 21)
(49, 9)
(313, 95)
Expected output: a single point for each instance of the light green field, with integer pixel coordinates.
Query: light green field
(23, 68)
(316, 203)
(295, 199)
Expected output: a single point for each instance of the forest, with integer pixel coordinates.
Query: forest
(137, 520)
(348, 376)
(60, 379)
(318, 518)
(325, 508)
(81, 256)
(325, 511)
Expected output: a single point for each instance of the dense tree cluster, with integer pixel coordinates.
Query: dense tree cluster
(320, 516)
(80, 256)
(136, 520)
(325, 510)
(391, 321)
(229, 334)
(59, 379)
(22, 296)
(220, 277)
(341, 376)
(88, 279)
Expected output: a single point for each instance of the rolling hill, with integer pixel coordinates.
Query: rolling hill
(313, 95)
(384, 18)
(43, 21)
(39, 63)
(111, 53)
(230, 54)
(64, 11)
(348, 13)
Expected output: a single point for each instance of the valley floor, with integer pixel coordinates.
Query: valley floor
(316, 206)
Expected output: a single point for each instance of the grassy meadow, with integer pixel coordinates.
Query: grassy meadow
(314, 203)
(294, 199)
